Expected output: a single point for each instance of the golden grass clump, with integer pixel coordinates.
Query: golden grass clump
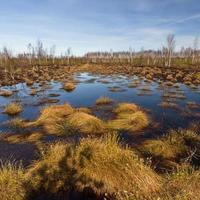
(126, 108)
(50, 173)
(63, 119)
(12, 182)
(183, 183)
(52, 115)
(86, 123)
(173, 145)
(69, 87)
(17, 123)
(24, 137)
(98, 166)
(6, 93)
(130, 122)
(13, 109)
(129, 118)
(112, 168)
(103, 101)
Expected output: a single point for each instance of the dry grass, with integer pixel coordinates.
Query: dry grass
(85, 123)
(183, 183)
(6, 93)
(96, 165)
(129, 118)
(130, 122)
(51, 115)
(17, 123)
(12, 182)
(69, 87)
(84, 109)
(33, 92)
(173, 145)
(24, 137)
(63, 119)
(13, 109)
(50, 173)
(126, 108)
(103, 101)
(113, 168)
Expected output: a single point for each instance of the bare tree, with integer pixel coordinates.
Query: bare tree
(170, 47)
(52, 53)
(30, 49)
(39, 50)
(68, 55)
(195, 47)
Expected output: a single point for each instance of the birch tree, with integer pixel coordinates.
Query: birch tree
(170, 47)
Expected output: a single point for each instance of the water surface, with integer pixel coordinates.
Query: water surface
(148, 95)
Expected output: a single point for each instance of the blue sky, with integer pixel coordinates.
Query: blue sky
(93, 25)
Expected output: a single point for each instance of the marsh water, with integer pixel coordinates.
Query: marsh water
(147, 94)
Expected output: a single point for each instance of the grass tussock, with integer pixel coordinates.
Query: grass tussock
(98, 168)
(20, 138)
(6, 93)
(12, 182)
(96, 165)
(52, 115)
(176, 146)
(13, 109)
(183, 183)
(129, 118)
(69, 87)
(65, 120)
(103, 101)
(86, 123)
(126, 108)
(17, 123)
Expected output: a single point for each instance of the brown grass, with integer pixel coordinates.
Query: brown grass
(126, 108)
(84, 109)
(85, 123)
(97, 165)
(130, 122)
(12, 182)
(129, 117)
(183, 183)
(175, 144)
(69, 87)
(13, 109)
(103, 101)
(6, 93)
(52, 115)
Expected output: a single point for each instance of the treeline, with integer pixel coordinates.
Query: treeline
(38, 55)
(166, 57)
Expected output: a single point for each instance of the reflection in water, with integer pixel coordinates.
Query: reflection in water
(149, 95)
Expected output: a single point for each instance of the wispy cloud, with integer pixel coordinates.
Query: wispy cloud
(98, 25)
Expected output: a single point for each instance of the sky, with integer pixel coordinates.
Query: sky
(98, 25)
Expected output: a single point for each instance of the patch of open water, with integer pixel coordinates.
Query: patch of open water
(148, 95)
